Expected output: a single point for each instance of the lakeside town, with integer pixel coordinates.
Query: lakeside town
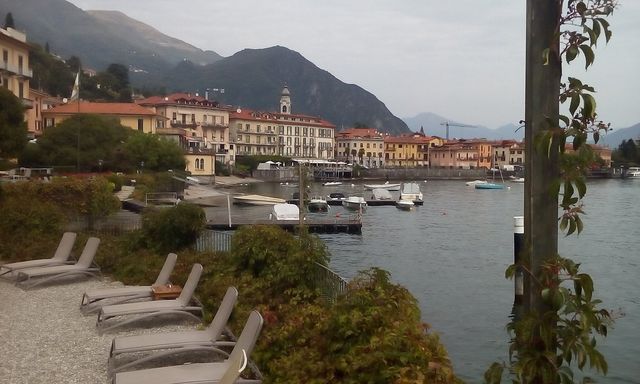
(209, 132)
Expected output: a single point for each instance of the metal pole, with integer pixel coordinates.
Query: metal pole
(518, 249)
(229, 209)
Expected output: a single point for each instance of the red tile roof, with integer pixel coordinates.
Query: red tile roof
(359, 133)
(101, 109)
(416, 138)
(279, 118)
(179, 99)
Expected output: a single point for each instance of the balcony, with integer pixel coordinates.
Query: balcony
(15, 70)
(171, 131)
(211, 124)
(181, 124)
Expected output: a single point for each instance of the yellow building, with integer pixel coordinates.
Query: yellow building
(282, 133)
(409, 150)
(194, 121)
(129, 114)
(462, 154)
(364, 146)
(14, 67)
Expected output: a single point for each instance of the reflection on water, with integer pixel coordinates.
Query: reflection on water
(452, 252)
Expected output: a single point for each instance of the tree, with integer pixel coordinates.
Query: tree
(158, 154)
(81, 141)
(627, 153)
(74, 63)
(13, 129)
(8, 21)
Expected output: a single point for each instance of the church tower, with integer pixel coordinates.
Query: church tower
(285, 101)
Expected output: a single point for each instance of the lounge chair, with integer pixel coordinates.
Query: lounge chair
(94, 299)
(168, 343)
(224, 372)
(180, 306)
(31, 277)
(60, 257)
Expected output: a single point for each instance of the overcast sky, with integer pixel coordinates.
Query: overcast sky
(462, 59)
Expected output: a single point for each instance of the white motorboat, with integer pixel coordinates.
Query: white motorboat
(285, 211)
(336, 196)
(517, 180)
(411, 192)
(475, 182)
(381, 194)
(388, 186)
(633, 172)
(405, 205)
(355, 203)
(318, 205)
(332, 183)
(257, 200)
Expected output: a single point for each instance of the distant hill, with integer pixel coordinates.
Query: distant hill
(254, 78)
(431, 123)
(100, 38)
(614, 138)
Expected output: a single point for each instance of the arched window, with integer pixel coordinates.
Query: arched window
(284, 109)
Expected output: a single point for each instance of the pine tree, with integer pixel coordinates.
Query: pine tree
(8, 21)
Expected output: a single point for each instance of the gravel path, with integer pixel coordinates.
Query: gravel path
(45, 339)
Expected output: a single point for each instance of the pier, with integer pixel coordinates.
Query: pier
(314, 224)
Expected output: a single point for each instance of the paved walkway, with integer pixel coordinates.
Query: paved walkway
(45, 339)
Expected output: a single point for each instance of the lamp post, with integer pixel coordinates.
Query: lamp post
(100, 162)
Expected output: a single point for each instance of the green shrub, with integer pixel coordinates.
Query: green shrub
(171, 229)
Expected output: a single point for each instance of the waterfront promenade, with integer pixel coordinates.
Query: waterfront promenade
(45, 338)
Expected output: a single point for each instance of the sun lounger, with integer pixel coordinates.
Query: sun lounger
(168, 343)
(146, 309)
(224, 372)
(94, 299)
(60, 257)
(31, 277)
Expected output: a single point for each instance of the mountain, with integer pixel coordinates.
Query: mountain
(254, 78)
(100, 38)
(614, 138)
(433, 125)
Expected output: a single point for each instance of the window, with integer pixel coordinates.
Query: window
(304, 131)
(258, 128)
(368, 145)
(21, 90)
(140, 125)
(246, 127)
(297, 130)
(5, 56)
(312, 131)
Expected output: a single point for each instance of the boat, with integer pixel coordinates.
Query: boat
(388, 186)
(411, 192)
(318, 205)
(355, 203)
(257, 200)
(281, 212)
(332, 183)
(475, 182)
(381, 194)
(336, 196)
(517, 179)
(633, 172)
(405, 205)
(488, 185)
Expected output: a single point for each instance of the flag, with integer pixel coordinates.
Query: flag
(75, 93)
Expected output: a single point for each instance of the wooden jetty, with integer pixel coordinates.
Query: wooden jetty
(314, 224)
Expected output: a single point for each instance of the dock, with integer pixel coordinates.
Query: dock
(370, 203)
(314, 224)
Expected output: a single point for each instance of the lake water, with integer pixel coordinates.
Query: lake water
(452, 252)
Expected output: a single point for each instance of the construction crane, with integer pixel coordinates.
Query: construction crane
(448, 124)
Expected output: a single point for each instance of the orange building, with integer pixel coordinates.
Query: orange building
(462, 154)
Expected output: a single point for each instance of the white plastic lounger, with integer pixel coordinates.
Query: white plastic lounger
(146, 309)
(224, 372)
(60, 257)
(31, 277)
(168, 343)
(94, 299)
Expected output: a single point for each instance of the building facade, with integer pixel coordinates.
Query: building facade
(363, 146)
(462, 154)
(197, 123)
(281, 133)
(128, 114)
(508, 152)
(14, 68)
(409, 150)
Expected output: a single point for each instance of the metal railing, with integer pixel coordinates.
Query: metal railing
(330, 284)
(213, 241)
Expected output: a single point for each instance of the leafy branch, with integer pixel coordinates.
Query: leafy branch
(545, 345)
